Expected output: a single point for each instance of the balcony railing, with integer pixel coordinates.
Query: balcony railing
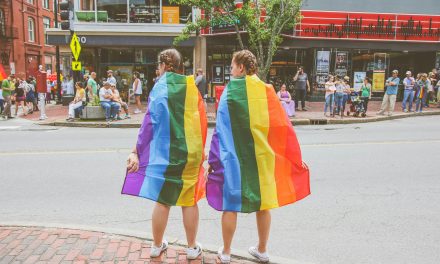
(10, 32)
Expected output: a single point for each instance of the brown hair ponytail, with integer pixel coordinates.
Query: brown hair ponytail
(247, 59)
(172, 60)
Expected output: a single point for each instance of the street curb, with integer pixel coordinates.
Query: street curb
(238, 254)
(295, 122)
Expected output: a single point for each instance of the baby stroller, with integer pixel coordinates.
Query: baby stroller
(357, 106)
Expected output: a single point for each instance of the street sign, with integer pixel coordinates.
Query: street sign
(75, 46)
(76, 66)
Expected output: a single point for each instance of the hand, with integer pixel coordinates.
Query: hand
(208, 171)
(132, 162)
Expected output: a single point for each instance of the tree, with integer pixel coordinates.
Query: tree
(258, 24)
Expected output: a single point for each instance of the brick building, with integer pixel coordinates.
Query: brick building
(23, 42)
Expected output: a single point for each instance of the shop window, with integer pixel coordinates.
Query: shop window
(30, 2)
(145, 11)
(46, 25)
(2, 23)
(112, 11)
(48, 63)
(31, 29)
(46, 4)
(174, 14)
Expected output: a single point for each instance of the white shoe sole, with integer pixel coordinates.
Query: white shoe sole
(253, 254)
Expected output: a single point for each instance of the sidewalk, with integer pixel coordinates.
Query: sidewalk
(313, 116)
(56, 245)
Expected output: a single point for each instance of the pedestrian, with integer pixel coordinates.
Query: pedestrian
(174, 129)
(110, 78)
(137, 91)
(122, 105)
(78, 101)
(432, 90)
(389, 98)
(408, 94)
(302, 86)
(48, 91)
(2, 101)
(92, 86)
(339, 95)
(330, 88)
(286, 100)
(33, 82)
(7, 89)
(255, 161)
(111, 109)
(347, 93)
(422, 92)
(201, 82)
(30, 95)
(20, 97)
(366, 93)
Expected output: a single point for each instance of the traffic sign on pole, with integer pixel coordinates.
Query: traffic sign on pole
(75, 46)
(76, 66)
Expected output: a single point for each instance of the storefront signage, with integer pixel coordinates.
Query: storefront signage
(358, 80)
(437, 61)
(217, 74)
(341, 63)
(370, 26)
(322, 68)
(378, 81)
(170, 15)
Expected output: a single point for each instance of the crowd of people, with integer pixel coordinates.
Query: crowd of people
(21, 92)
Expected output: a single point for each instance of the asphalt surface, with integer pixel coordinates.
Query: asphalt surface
(375, 190)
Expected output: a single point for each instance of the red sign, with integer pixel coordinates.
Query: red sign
(368, 26)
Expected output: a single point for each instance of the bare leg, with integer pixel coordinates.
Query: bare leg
(159, 222)
(138, 103)
(229, 224)
(191, 224)
(263, 224)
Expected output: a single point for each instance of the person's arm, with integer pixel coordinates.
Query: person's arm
(136, 82)
(369, 88)
(308, 86)
(296, 76)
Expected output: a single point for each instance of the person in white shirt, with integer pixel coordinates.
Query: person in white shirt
(110, 78)
(408, 95)
(105, 98)
(137, 90)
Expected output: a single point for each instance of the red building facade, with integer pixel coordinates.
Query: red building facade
(22, 36)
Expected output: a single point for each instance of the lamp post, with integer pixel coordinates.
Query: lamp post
(57, 55)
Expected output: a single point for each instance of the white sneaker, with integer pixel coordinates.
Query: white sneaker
(156, 251)
(224, 259)
(193, 253)
(262, 257)
(137, 111)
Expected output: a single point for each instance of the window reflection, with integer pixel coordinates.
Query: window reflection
(112, 11)
(145, 11)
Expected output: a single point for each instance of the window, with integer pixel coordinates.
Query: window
(46, 4)
(30, 1)
(46, 25)
(48, 63)
(2, 23)
(31, 29)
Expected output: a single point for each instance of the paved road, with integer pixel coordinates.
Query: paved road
(376, 190)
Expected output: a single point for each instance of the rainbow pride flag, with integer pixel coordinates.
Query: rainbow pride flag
(171, 144)
(255, 155)
(2, 73)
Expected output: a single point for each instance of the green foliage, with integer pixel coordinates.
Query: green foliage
(95, 101)
(264, 35)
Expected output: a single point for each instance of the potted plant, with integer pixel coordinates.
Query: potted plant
(93, 110)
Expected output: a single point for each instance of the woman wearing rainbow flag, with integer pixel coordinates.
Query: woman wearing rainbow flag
(255, 159)
(166, 164)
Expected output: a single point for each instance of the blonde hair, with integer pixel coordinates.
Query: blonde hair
(172, 60)
(247, 59)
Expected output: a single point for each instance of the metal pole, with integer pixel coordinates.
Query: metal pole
(58, 57)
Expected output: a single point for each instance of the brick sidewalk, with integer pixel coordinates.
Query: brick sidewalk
(55, 245)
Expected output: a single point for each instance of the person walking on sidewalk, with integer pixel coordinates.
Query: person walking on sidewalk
(255, 161)
(366, 93)
(330, 89)
(408, 95)
(137, 91)
(389, 98)
(20, 97)
(7, 89)
(347, 93)
(30, 95)
(302, 86)
(174, 132)
(78, 101)
(110, 78)
(422, 92)
(339, 95)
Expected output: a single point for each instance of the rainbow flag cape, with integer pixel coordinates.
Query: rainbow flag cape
(255, 155)
(171, 144)
(2, 73)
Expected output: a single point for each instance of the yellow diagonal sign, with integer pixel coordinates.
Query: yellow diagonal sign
(75, 46)
(76, 65)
